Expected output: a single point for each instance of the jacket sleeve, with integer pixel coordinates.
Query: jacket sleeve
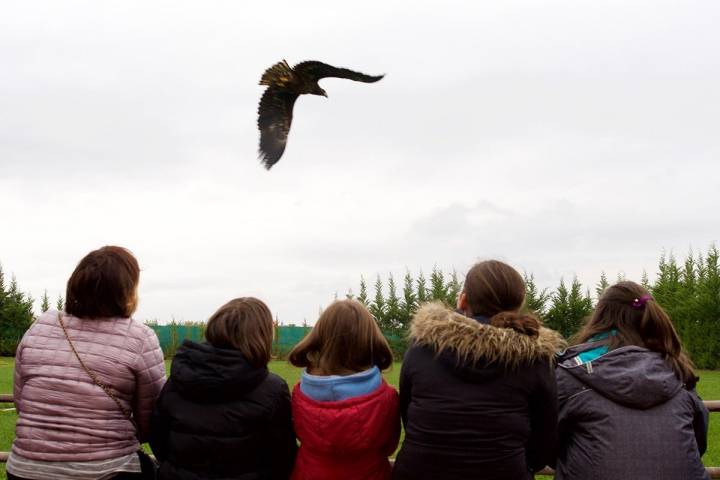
(543, 420)
(282, 437)
(149, 380)
(394, 429)
(160, 426)
(18, 382)
(700, 422)
(405, 386)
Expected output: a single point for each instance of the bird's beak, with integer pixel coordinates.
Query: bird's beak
(324, 94)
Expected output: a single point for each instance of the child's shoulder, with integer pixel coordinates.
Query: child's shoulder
(273, 380)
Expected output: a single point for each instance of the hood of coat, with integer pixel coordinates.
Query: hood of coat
(632, 376)
(473, 346)
(359, 424)
(206, 374)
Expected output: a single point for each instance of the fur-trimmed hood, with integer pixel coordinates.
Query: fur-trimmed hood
(471, 342)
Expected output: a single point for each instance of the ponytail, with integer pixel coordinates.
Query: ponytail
(520, 322)
(659, 335)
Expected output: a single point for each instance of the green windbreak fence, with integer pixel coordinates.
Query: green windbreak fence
(171, 336)
(286, 337)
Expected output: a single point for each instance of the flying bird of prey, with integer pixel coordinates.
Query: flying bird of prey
(285, 84)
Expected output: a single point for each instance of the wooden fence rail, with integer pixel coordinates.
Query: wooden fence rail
(712, 406)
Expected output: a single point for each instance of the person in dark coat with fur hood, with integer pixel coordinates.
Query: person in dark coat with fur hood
(628, 406)
(478, 396)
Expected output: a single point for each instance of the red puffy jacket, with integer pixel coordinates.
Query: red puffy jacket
(348, 439)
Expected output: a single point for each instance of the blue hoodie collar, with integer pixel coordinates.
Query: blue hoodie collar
(333, 388)
(596, 352)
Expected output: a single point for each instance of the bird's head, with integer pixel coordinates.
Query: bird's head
(319, 91)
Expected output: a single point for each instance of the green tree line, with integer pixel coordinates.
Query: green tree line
(689, 291)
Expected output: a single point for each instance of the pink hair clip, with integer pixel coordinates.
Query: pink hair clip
(639, 303)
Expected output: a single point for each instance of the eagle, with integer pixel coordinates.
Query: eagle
(284, 85)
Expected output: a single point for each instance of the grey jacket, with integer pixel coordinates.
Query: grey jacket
(625, 415)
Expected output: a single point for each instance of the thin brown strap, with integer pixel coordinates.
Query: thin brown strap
(92, 375)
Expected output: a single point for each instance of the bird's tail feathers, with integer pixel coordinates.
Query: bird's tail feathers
(278, 74)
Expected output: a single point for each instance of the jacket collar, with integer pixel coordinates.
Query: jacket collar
(443, 330)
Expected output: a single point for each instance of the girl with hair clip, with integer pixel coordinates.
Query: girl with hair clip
(345, 414)
(477, 391)
(628, 407)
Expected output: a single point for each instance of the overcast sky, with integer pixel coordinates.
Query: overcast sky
(565, 137)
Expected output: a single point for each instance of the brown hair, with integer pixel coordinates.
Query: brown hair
(104, 284)
(345, 340)
(646, 326)
(243, 324)
(496, 290)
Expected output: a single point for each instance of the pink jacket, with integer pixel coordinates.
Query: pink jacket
(62, 414)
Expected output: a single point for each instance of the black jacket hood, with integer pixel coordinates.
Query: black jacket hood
(207, 374)
(632, 376)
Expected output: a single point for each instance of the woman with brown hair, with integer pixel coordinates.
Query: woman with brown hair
(345, 414)
(628, 407)
(86, 379)
(477, 392)
(222, 414)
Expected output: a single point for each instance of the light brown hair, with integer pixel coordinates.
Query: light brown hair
(243, 324)
(346, 339)
(647, 326)
(496, 290)
(104, 284)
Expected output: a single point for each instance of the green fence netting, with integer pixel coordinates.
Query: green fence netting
(171, 336)
(286, 337)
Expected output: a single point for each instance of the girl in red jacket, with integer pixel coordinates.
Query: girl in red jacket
(345, 415)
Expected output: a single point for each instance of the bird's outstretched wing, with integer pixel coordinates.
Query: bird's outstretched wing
(317, 70)
(274, 119)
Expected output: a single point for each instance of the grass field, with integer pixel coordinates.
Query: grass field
(709, 389)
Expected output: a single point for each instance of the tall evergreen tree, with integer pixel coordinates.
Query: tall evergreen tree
(422, 291)
(644, 280)
(453, 289)
(16, 316)
(377, 307)
(409, 302)
(393, 307)
(535, 300)
(438, 288)
(60, 303)
(45, 306)
(602, 285)
(363, 297)
(580, 305)
(569, 308)
(706, 351)
(667, 291)
(558, 312)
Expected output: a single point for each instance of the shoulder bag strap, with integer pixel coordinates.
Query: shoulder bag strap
(93, 377)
